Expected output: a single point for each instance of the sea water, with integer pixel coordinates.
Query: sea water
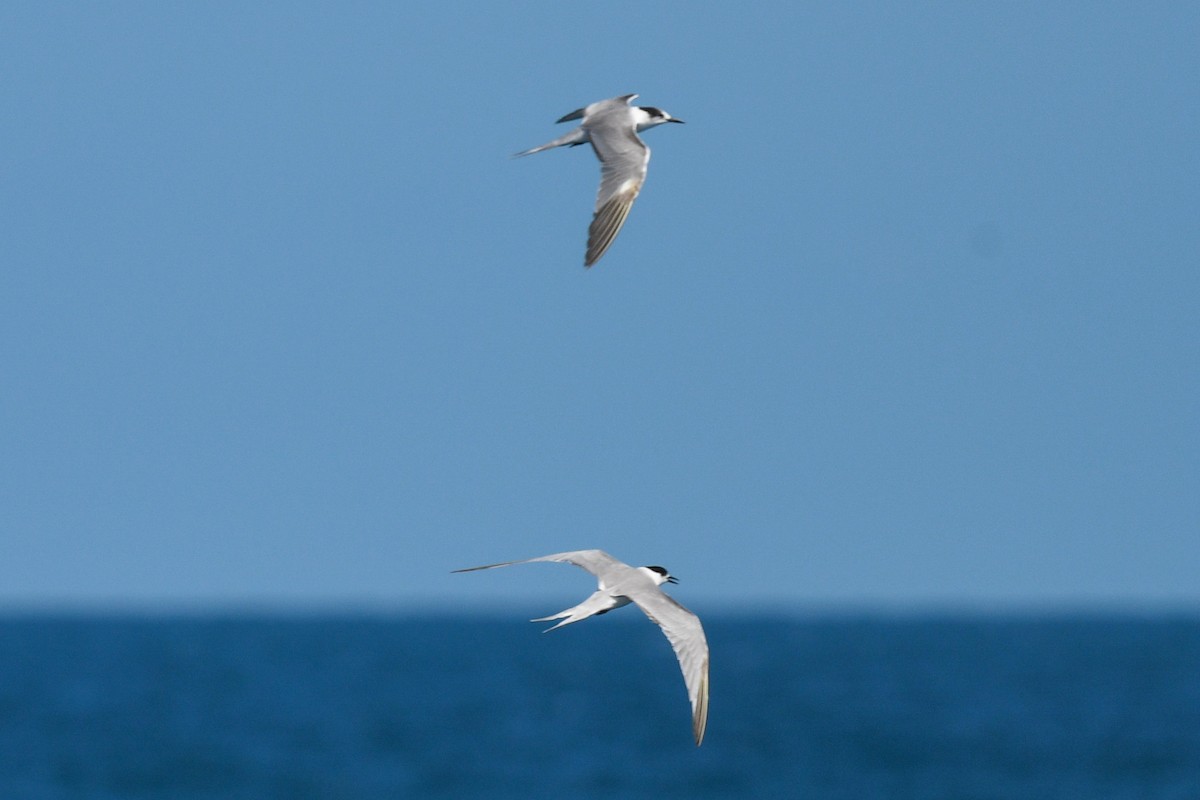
(368, 706)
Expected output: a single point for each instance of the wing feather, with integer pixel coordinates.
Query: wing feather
(686, 635)
(624, 159)
(606, 224)
(594, 561)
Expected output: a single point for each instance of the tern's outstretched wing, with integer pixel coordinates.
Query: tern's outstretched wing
(594, 561)
(623, 161)
(686, 635)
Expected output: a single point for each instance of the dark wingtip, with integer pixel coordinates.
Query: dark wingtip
(576, 114)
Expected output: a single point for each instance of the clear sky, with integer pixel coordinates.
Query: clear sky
(907, 312)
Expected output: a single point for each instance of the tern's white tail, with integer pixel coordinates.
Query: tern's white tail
(577, 136)
(598, 603)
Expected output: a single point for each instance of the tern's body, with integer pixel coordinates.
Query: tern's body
(611, 127)
(620, 585)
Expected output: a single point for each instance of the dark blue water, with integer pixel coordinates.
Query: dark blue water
(372, 707)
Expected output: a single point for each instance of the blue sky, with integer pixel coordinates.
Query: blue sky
(905, 315)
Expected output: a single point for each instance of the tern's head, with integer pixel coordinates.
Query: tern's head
(660, 575)
(650, 116)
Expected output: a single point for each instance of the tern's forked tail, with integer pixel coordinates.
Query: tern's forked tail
(598, 603)
(577, 136)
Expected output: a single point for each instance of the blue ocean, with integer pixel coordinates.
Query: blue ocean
(197, 707)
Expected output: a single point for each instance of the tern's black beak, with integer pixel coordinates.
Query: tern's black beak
(672, 119)
(672, 579)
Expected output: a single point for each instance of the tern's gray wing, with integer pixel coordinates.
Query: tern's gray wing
(623, 160)
(596, 562)
(686, 635)
(599, 105)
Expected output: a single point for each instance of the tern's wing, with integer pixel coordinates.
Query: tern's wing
(596, 562)
(598, 106)
(623, 159)
(686, 635)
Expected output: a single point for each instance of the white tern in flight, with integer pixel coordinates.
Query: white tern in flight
(620, 585)
(612, 127)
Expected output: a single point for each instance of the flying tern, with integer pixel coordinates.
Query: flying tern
(611, 127)
(620, 585)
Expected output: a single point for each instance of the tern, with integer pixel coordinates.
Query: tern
(620, 585)
(611, 127)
